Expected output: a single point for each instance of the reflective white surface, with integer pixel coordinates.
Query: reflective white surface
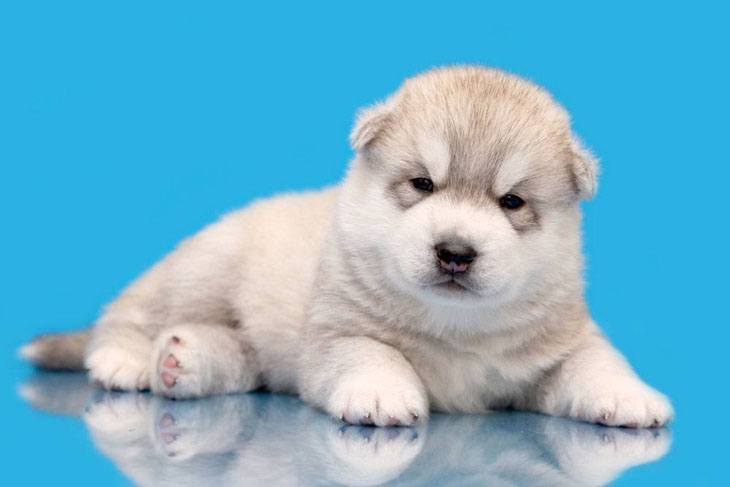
(266, 439)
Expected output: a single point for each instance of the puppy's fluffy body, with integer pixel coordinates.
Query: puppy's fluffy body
(337, 295)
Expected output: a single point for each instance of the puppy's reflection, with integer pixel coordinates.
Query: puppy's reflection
(263, 439)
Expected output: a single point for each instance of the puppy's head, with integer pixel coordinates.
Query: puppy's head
(467, 184)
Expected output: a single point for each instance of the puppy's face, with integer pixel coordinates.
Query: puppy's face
(470, 179)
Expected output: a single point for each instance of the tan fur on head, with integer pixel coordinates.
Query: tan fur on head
(585, 169)
(500, 110)
(369, 123)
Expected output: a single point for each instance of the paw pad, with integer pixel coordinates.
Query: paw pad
(167, 420)
(169, 364)
(168, 379)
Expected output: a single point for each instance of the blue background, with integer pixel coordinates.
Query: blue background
(125, 126)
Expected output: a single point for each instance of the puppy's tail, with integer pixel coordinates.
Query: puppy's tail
(57, 351)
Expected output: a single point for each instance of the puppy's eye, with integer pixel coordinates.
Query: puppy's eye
(423, 184)
(511, 202)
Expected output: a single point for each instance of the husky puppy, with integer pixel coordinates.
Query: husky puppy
(444, 273)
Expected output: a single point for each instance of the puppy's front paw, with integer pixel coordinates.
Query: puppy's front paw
(383, 399)
(627, 402)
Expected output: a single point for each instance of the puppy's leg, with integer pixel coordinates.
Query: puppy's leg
(196, 360)
(118, 356)
(363, 381)
(596, 384)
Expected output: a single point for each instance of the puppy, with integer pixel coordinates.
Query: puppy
(444, 273)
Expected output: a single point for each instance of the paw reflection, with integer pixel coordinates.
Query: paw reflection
(596, 454)
(367, 455)
(183, 429)
(269, 439)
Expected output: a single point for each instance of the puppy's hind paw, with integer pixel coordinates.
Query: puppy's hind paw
(117, 368)
(193, 360)
(176, 368)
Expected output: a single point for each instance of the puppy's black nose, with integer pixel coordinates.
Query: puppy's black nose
(454, 258)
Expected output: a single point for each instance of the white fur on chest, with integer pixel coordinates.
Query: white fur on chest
(469, 379)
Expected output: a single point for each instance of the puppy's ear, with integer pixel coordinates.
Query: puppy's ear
(585, 169)
(369, 124)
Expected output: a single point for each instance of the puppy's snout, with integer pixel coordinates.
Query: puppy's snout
(454, 258)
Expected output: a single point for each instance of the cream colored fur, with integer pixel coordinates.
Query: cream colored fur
(335, 295)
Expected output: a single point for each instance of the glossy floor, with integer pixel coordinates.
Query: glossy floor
(267, 439)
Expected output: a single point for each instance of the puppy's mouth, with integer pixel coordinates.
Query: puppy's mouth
(452, 285)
